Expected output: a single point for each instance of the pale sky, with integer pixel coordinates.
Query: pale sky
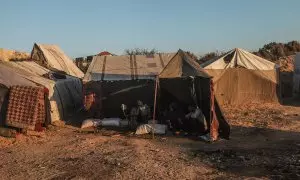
(87, 27)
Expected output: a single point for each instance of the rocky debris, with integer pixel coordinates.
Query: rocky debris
(12, 55)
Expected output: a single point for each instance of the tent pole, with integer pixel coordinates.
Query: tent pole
(154, 108)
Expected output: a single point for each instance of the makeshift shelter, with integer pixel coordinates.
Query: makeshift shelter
(242, 77)
(297, 74)
(16, 115)
(52, 57)
(64, 92)
(117, 80)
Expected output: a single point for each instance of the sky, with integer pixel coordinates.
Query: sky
(85, 27)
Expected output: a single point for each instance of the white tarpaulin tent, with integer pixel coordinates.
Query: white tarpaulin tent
(241, 76)
(51, 56)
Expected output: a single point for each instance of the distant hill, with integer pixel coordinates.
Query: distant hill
(274, 51)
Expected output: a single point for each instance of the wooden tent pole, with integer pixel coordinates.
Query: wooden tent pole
(154, 108)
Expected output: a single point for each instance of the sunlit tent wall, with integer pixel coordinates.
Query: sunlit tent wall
(65, 92)
(242, 77)
(125, 79)
(52, 57)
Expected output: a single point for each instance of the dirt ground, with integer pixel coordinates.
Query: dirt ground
(264, 144)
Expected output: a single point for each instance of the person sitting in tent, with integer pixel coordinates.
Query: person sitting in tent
(175, 117)
(143, 112)
(133, 117)
(196, 119)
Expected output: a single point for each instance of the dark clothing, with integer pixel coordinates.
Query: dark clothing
(176, 118)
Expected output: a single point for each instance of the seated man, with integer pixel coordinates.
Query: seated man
(196, 119)
(133, 117)
(173, 120)
(143, 112)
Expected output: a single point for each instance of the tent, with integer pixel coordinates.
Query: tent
(65, 92)
(127, 67)
(52, 57)
(120, 80)
(8, 79)
(297, 74)
(242, 77)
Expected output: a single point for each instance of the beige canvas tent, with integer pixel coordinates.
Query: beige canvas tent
(242, 77)
(127, 67)
(117, 80)
(52, 57)
(111, 68)
(65, 95)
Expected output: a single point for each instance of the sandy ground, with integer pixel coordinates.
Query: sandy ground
(265, 144)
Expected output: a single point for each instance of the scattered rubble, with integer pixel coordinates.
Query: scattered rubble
(9, 55)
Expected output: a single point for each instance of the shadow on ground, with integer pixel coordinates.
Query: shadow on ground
(251, 152)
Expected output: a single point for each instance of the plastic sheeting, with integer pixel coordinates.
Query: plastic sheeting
(148, 128)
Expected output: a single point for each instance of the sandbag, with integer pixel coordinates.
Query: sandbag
(110, 122)
(88, 123)
(149, 128)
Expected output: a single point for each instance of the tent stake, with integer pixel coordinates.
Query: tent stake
(154, 108)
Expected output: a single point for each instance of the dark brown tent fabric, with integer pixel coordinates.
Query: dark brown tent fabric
(111, 94)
